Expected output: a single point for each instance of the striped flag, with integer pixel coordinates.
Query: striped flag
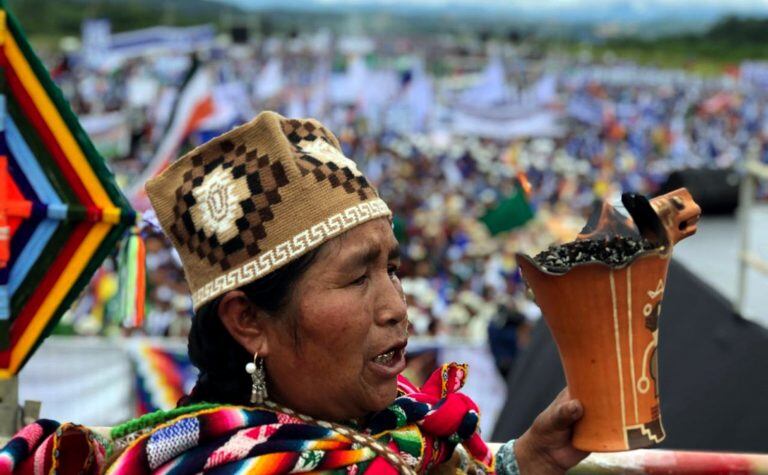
(194, 104)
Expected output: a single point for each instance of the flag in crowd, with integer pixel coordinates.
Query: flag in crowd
(193, 105)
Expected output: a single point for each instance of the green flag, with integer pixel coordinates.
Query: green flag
(510, 213)
(399, 228)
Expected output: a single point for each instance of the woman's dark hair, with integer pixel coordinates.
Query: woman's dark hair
(219, 357)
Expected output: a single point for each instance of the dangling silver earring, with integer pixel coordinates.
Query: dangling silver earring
(259, 387)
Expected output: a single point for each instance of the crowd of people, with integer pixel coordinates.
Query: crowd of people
(563, 131)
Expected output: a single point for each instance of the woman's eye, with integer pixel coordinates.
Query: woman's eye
(392, 270)
(360, 280)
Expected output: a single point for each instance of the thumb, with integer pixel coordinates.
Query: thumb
(566, 414)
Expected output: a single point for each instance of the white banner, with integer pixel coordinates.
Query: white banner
(85, 380)
(541, 123)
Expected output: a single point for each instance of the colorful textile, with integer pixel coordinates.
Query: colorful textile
(163, 374)
(46, 446)
(62, 208)
(132, 263)
(417, 432)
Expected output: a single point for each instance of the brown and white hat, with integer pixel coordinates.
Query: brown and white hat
(257, 197)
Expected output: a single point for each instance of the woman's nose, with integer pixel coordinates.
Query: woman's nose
(392, 307)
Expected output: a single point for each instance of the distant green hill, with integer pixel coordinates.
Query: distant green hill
(48, 20)
(64, 17)
(729, 41)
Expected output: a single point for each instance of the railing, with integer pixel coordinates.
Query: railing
(672, 462)
(754, 171)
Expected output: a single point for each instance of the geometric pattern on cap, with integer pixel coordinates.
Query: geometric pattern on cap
(319, 157)
(245, 187)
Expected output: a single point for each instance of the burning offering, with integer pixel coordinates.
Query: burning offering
(613, 251)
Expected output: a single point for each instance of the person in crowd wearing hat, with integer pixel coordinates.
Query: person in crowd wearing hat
(299, 334)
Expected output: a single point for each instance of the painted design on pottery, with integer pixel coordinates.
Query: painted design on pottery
(645, 434)
(641, 428)
(651, 312)
(631, 339)
(652, 432)
(617, 341)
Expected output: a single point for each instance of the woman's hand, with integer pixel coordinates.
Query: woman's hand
(546, 447)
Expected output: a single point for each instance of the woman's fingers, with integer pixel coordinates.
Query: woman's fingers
(561, 414)
(546, 447)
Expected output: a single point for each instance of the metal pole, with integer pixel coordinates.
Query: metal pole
(10, 413)
(746, 198)
(745, 206)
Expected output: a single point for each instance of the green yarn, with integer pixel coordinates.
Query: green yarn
(155, 418)
(400, 415)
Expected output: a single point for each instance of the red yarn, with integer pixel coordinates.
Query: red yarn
(449, 409)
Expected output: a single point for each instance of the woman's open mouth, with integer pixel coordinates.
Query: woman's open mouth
(388, 357)
(391, 362)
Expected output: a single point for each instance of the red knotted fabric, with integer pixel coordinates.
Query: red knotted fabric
(452, 414)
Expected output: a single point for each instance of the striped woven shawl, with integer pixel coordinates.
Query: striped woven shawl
(417, 432)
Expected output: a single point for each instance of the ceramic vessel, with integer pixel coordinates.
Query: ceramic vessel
(604, 321)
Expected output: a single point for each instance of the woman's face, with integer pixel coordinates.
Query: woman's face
(352, 329)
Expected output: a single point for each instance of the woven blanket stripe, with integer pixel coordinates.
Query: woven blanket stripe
(270, 464)
(23, 444)
(168, 441)
(338, 461)
(255, 443)
(422, 426)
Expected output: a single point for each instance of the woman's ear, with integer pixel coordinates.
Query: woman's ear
(244, 322)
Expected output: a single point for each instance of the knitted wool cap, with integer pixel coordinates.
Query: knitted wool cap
(257, 197)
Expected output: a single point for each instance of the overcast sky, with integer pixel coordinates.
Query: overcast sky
(537, 4)
(749, 5)
(560, 10)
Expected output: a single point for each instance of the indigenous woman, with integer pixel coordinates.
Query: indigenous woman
(299, 334)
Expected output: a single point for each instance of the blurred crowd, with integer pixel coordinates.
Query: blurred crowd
(446, 129)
